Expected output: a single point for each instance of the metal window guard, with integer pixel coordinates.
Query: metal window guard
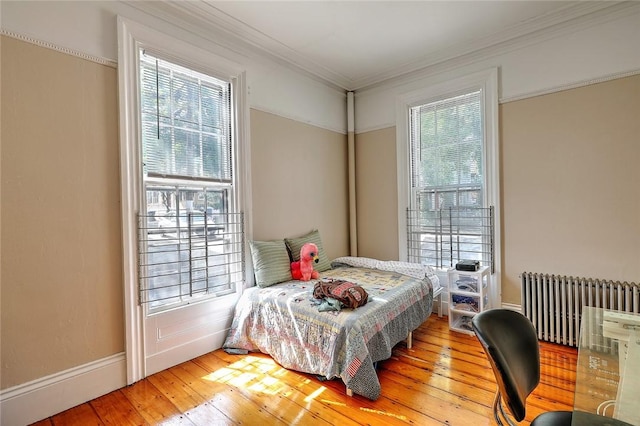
(443, 237)
(188, 256)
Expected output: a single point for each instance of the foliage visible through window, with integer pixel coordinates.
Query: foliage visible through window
(185, 121)
(447, 220)
(191, 238)
(447, 152)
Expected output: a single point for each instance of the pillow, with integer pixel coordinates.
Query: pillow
(271, 263)
(295, 244)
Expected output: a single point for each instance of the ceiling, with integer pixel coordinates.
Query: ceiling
(357, 44)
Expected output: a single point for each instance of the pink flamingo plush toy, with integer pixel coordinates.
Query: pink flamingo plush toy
(303, 269)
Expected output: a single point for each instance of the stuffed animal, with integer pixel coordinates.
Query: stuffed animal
(303, 269)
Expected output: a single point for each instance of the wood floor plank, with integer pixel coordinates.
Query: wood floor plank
(187, 400)
(265, 395)
(45, 422)
(83, 414)
(445, 379)
(115, 409)
(208, 414)
(428, 381)
(152, 405)
(449, 403)
(326, 400)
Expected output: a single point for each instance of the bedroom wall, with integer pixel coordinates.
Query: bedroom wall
(89, 28)
(553, 138)
(571, 203)
(376, 194)
(570, 175)
(80, 261)
(299, 175)
(60, 208)
(61, 265)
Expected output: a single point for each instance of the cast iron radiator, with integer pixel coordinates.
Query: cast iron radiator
(554, 303)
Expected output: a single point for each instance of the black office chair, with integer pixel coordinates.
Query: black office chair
(511, 344)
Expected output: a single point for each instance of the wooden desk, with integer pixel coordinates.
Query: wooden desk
(608, 370)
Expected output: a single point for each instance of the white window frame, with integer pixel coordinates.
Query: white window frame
(487, 81)
(132, 36)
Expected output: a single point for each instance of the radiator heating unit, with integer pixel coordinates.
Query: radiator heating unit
(554, 303)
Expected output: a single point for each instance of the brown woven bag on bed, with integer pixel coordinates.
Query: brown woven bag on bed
(349, 294)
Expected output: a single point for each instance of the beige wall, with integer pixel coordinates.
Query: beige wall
(299, 181)
(377, 194)
(570, 185)
(61, 266)
(61, 255)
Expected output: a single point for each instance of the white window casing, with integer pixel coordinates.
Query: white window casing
(132, 38)
(487, 82)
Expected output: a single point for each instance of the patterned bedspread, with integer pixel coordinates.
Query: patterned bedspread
(283, 321)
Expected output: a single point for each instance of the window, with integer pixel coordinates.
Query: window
(446, 139)
(190, 235)
(184, 186)
(450, 147)
(186, 122)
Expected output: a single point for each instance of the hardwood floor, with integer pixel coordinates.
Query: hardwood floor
(444, 379)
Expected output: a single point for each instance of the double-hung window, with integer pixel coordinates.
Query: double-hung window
(184, 159)
(190, 233)
(451, 173)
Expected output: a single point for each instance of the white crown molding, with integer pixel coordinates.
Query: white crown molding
(203, 19)
(452, 62)
(238, 30)
(52, 46)
(44, 397)
(570, 19)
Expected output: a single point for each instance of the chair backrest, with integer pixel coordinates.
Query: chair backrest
(511, 344)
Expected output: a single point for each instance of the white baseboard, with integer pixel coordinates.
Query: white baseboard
(179, 354)
(44, 397)
(512, 306)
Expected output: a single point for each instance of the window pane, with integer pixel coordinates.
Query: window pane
(190, 245)
(190, 242)
(447, 149)
(185, 116)
(448, 221)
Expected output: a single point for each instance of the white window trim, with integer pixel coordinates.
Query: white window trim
(131, 37)
(486, 80)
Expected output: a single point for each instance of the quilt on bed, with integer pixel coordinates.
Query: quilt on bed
(283, 321)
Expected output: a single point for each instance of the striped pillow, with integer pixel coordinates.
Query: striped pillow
(271, 263)
(295, 244)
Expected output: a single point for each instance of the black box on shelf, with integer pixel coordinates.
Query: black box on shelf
(468, 265)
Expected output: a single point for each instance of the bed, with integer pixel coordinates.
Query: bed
(284, 320)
